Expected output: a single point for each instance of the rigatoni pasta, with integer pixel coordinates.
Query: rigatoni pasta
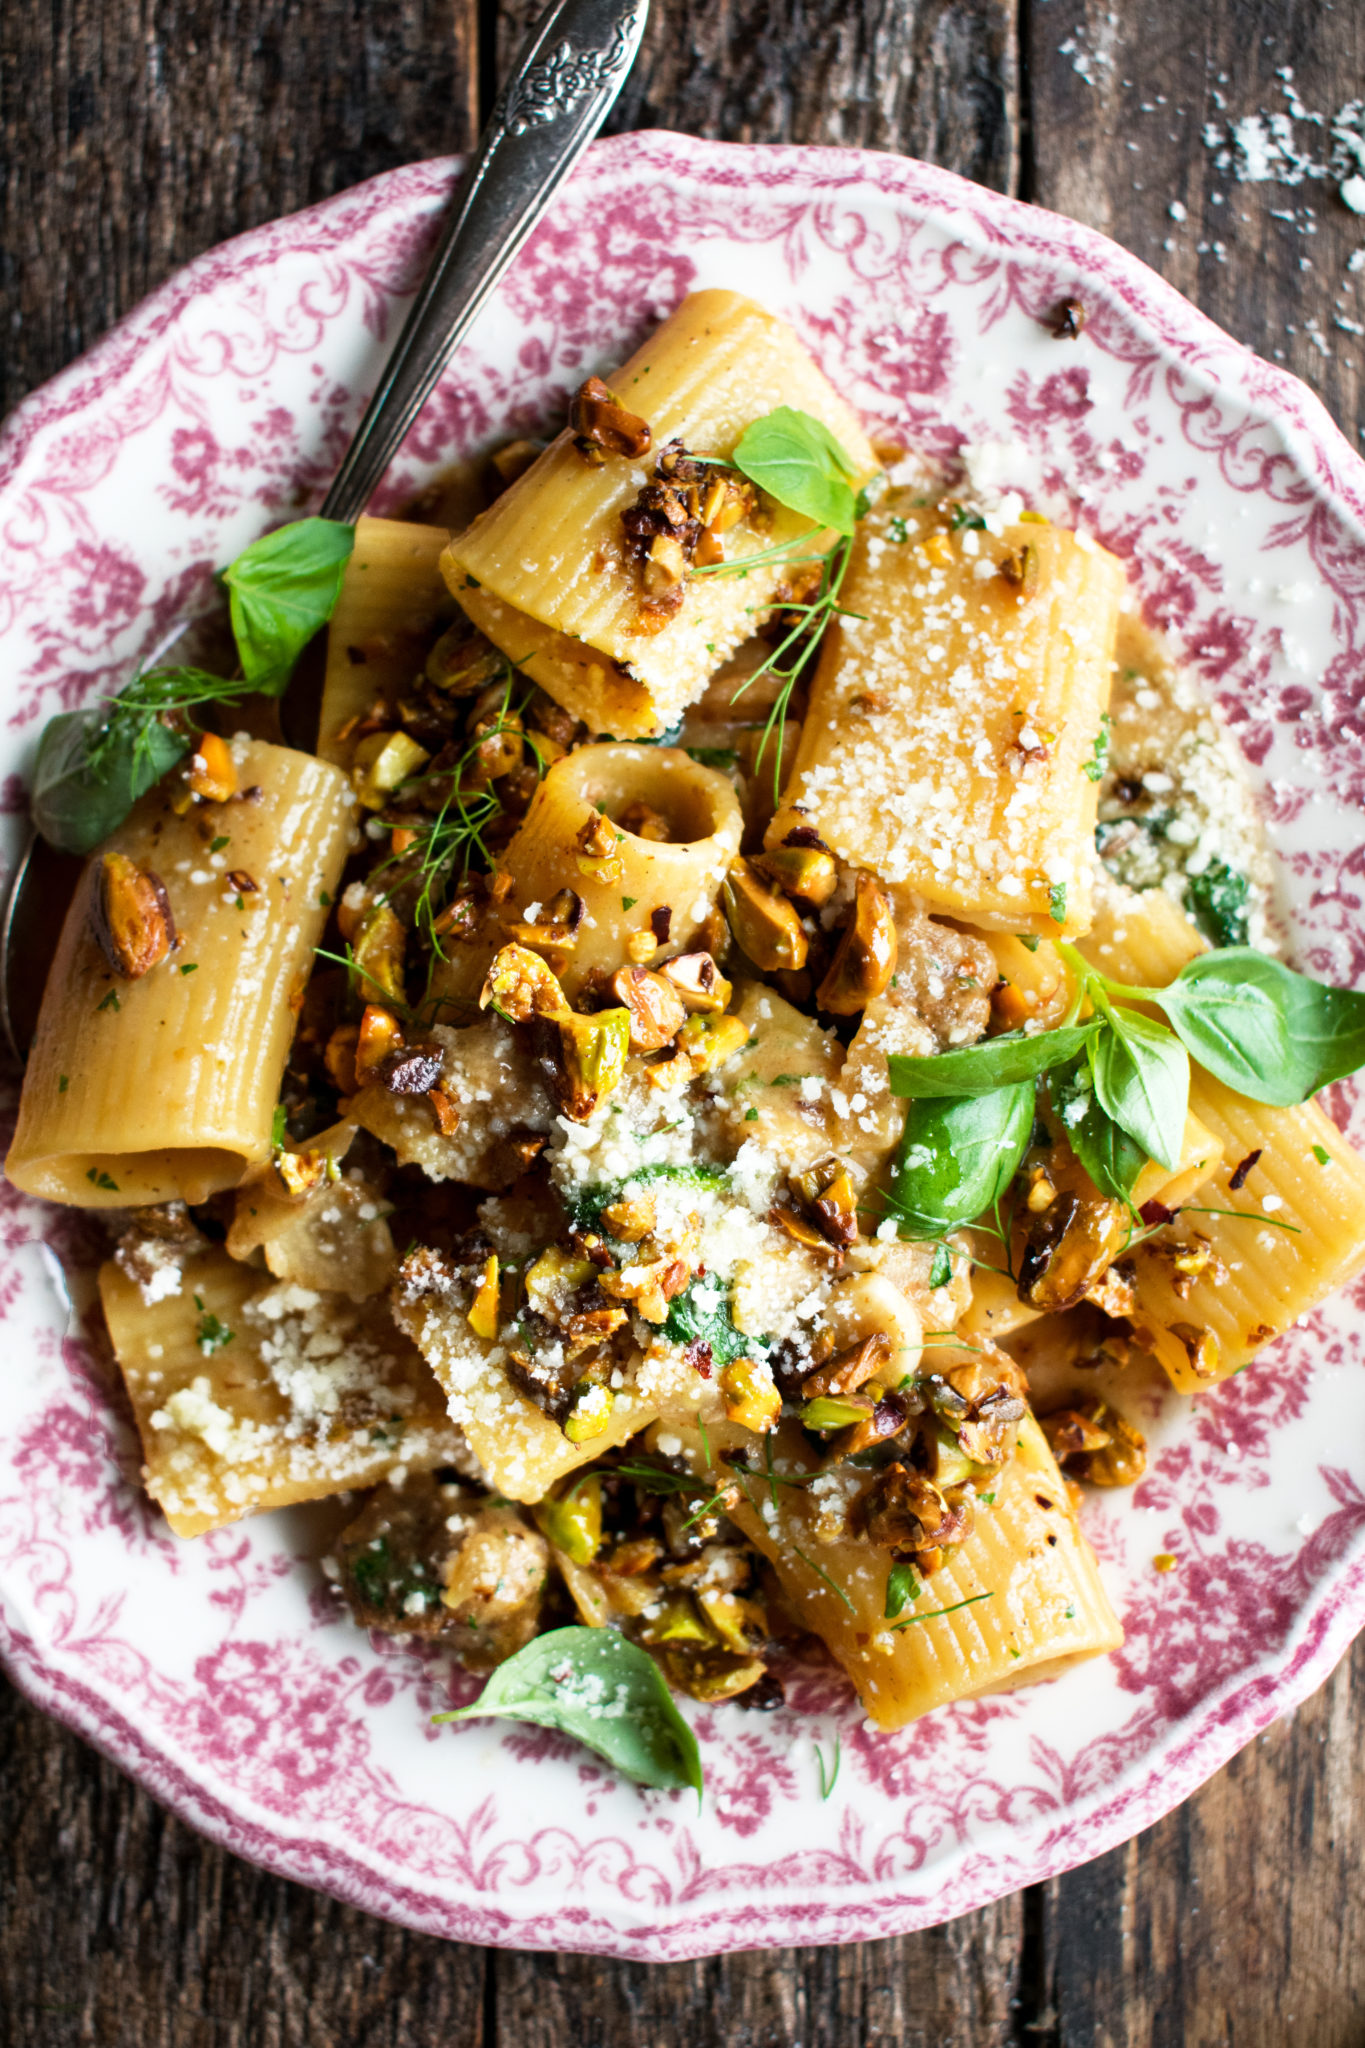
(544, 572)
(953, 714)
(164, 1087)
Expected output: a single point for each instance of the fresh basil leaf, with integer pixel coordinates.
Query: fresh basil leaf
(957, 1156)
(1111, 1158)
(92, 767)
(1230, 1011)
(796, 459)
(1217, 900)
(608, 1694)
(1141, 1075)
(1270, 1033)
(281, 590)
(995, 1063)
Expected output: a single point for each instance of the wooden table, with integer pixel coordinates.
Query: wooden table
(139, 132)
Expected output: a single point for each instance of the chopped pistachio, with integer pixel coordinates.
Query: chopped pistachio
(751, 1396)
(593, 1051)
(589, 1411)
(483, 1312)
(382, 761)
(766, 925)
(574, 1524)
(865, 959)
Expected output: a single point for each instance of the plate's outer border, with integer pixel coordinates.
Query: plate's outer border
(1252, 1626)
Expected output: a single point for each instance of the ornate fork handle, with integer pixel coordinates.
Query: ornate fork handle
(567, 74)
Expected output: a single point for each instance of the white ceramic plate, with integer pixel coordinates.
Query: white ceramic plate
(216, 1671)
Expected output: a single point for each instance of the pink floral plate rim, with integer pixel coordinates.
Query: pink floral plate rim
(878, 234)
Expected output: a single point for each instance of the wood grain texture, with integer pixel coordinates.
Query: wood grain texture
(133, 134)
(136, 133)
(930, 78)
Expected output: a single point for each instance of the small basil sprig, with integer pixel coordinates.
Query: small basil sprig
(93, 765)
(795, 459)
(1120, 1081)
(608, 1694)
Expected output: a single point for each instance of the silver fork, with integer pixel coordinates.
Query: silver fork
(567, 75)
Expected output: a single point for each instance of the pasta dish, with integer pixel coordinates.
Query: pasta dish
(684, 1111)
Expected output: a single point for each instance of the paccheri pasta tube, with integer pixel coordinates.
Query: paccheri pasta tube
(957, 704)
(1292, 1191)
(1018, 1601)
(392, 597)
(546, 574)
(639, 837)
(250, 1394)
(164, 1085)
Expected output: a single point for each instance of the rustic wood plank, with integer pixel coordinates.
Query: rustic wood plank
(136, 133)
(121, 1927)
(930, 78)
(951, 1987)
(1119, 104)
(1240, 1918)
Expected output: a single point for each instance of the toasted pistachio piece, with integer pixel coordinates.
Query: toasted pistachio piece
(520, 986)
(597, 843)
(739, 1623)
(130, 916)
(593, 1051)
(865, 959)
(809, 873)
(632, 1219)
(462, 661)
(849, 1369)
(602, 426)
(1201, 1348)
(589, 1411)
(1069, 1247)
(696, 981)
(795, 1226)
(555, 1274)
(380, 1034)
(826, 1191)
(711, 1675)
(483, 1310)
(679, 1621)
(834, 1411)
(751, 1396)
(377, 954)
(574, 1522)
(212, 772)
(655, 1009)
(765, 923)
(301, 1172)
(382, 761)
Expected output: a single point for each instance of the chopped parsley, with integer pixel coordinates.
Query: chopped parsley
(110, 1002)
(212, 1334)
(64, 1082)
(629, 902)
(1322, 1155)
(1099, 754)
(98, 1178)
(941, 1271)
(219, 843)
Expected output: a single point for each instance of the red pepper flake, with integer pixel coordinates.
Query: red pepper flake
(1238, 1177)
(661, 923)
(1154, 1214)
(698, 1356)
(241, 881)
